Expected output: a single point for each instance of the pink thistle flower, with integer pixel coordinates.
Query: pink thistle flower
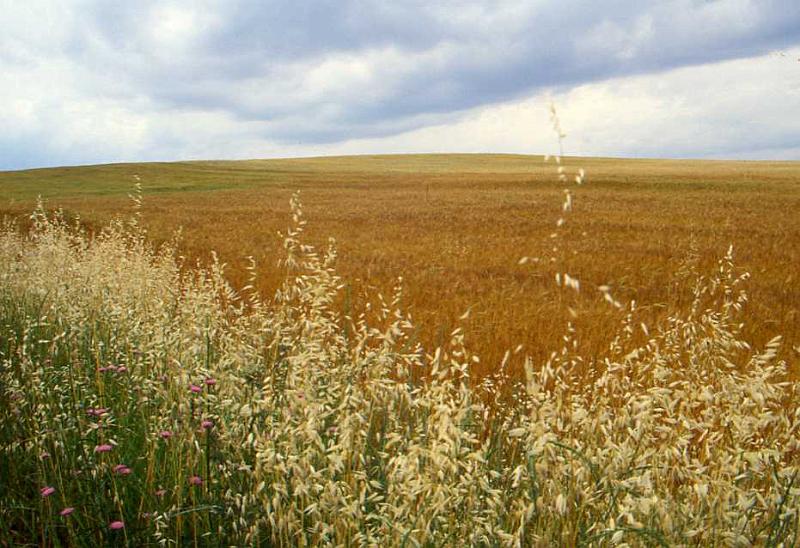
(104, 448)
(165, 434)
(194, 388)
(161, 492)
(66, 511)
(206, 424)
(196, 480)
(122, 369)
(116, 525)
(122, 470)
(111, 368)
(102, 369)
(210, 381)
(47, 491)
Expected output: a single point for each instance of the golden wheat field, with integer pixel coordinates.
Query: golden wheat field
(454, 227)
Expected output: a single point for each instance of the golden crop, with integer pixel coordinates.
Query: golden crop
(454, 227)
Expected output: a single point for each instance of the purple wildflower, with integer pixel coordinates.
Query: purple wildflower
(116, 525)
(47, 491)
(122, 470)
(104, 448)
(66, 511)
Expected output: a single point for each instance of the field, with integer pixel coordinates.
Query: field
(149, 396)
(455, 226)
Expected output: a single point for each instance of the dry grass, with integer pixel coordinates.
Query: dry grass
(455, 226)
(142, 404)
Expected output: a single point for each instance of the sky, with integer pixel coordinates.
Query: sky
(93, 81)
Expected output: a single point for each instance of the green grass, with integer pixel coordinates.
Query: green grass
(116, 180)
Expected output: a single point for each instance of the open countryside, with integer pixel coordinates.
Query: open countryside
(454, 227)
(518, 273)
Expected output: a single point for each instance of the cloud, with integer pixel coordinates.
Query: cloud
(101, 81)
(730, 109)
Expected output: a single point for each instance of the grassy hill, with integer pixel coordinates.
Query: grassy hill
(110, 179)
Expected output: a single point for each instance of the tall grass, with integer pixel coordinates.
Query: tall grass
(147, 403)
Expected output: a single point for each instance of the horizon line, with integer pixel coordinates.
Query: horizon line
(397, 154)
